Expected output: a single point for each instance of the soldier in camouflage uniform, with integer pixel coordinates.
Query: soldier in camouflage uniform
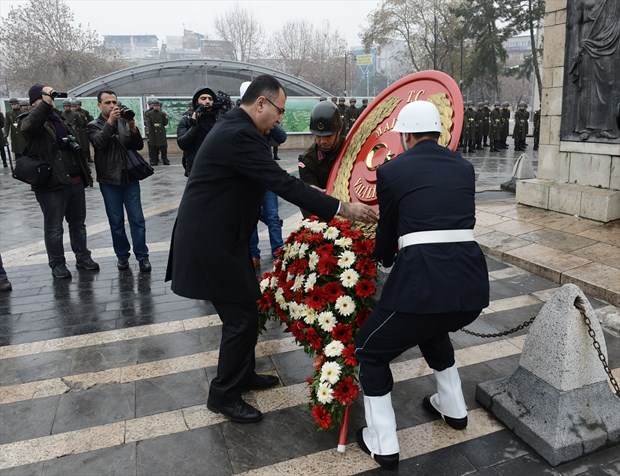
(66, 109)
(84, 112)
(469, 137)
(520, 129)
(155, 124)
(495, 127)
(11, 129)
(505, 125)
(536, 129)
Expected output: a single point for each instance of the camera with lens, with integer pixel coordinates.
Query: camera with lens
(57, 94)
(208, 113)
(126, 113)
(71, 143)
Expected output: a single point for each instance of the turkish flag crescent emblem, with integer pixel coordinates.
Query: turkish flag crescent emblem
(371, 141)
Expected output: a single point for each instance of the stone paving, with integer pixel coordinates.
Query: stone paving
(107, 373)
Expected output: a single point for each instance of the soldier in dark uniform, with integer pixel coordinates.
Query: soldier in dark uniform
(479, 125)
(469, 137)
(520, 129)
(495, 127)
(316, 161)
(342, 108)
(79, 123)
(3, 141)
(66, 109)
(486, 124)
(155, 123)
(536, 129)
(335, 100)
(505, 125)
(11, 129)
(84, 112)
(351, 114)
(364, 105)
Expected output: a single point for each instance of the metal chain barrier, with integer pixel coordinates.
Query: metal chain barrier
(580, 305)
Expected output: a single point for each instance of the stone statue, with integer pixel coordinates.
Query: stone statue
(593, 39)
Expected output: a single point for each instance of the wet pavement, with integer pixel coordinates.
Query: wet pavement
(107, 373)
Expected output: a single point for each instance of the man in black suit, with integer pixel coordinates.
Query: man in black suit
(209, 253)
(439, 281)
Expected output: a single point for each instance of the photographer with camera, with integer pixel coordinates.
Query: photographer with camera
(49, 137)
(112, 135)
(194, 127)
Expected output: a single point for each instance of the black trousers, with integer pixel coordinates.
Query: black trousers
(236, 360)
(387, 334)
(154, 151)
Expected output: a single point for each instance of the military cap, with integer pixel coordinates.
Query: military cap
(340, 99)
(364, 101)
(13, 101)
(334, 99)
(505, 104)
(480, 104)
(24, 102)
(352, 100)
(522, 104)
(66, 102)
(155, 101)
(497, 103)
(78, 102)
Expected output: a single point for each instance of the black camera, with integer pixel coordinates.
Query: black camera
(206, 113)
(71, 143)
(57, 94)
(126, 113)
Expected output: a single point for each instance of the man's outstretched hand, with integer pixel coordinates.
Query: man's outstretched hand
(358, 212)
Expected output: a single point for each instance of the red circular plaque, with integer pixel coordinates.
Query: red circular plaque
(371, 141)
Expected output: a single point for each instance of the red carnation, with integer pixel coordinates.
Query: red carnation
(366, 267)
(361, 317)
(313, 338)
(333, 291)
(347, 391)
(316, 299)
(322, 417)
(365, 289)
(342, 332)
(348, 353)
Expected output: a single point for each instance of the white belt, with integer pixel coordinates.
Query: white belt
(435, 236)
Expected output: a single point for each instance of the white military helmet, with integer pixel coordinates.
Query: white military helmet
(244, 87)
(418, 116)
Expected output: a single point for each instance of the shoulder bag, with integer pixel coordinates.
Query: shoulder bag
(32, 169)
(137, 168)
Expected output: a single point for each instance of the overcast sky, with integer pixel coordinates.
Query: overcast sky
(169, 17)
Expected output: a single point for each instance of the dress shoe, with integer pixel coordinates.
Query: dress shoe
(386, 461)
(166, 162)
(145, 265)
(456, 423)
(256, 262)
(61, 272)
(5, 284)
(87, 264)
(122, 263)
(261, 382)
(239, 411)
(275, 157)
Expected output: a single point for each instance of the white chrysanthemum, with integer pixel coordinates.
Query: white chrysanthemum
(344, 242)
(334, 348)
(327, 321)
(299, 282)
(264, 284)
(310, 317)
(313, 260)
(349, 278)
(345, 305)
(331, 233)
(279, 295)
(303, 249)
(330, 372)
(310, 282)
(317, 226)
(346, 259)
(324, 393)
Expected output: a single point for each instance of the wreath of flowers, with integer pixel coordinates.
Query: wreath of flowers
(322, 287)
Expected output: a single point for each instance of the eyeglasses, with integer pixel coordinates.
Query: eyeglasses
(280, 110)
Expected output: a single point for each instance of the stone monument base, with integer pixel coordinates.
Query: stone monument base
(560, 426)
(587, 202)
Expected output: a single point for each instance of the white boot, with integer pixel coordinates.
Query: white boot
(448, 402)
(379, 439)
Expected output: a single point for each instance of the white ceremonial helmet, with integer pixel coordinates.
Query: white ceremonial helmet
(244, 87)
(418, 116)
